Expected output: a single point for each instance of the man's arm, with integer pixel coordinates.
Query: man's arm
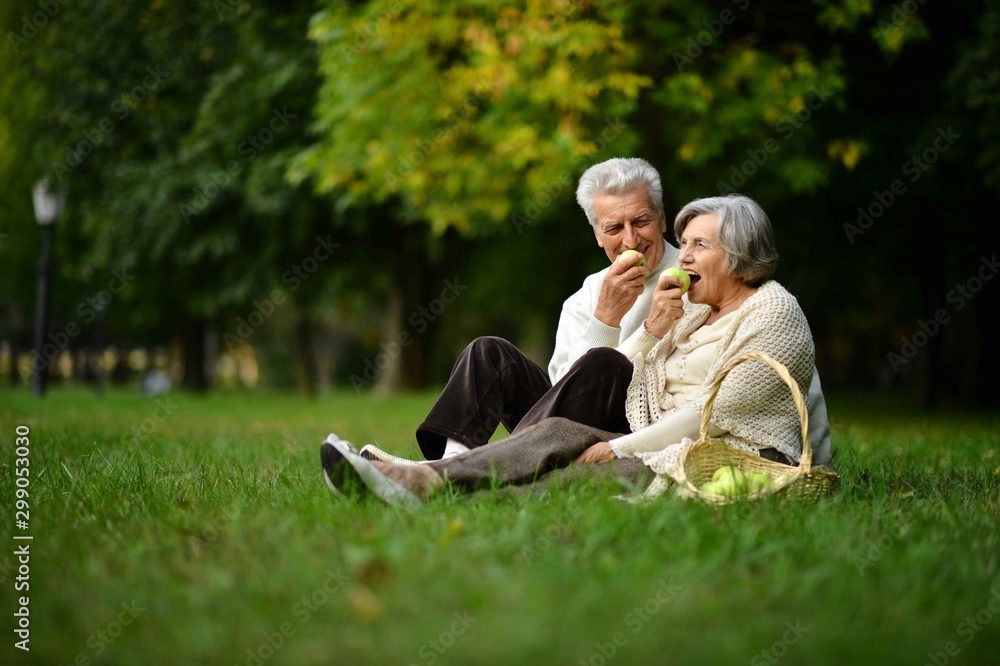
(578, 332)
(581, 327)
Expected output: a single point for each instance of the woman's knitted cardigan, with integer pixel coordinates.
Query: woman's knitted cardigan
(753, 405)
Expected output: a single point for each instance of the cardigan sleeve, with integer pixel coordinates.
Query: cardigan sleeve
(639, 343)
(681, 423)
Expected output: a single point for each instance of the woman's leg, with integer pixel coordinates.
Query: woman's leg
(524, 456)
(491, 383)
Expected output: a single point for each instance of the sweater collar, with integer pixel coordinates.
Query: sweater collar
(669, 258)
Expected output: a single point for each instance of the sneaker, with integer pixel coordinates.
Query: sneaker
(335, 469)
(333, 438)
(344, 471)
(372, 452)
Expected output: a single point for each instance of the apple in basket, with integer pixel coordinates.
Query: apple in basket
(728, 481)
(758, 480)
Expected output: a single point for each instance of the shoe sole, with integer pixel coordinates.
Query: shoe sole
(371, 452)
(341, 466)
(332, 462)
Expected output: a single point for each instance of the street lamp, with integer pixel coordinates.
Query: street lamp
(48, 205)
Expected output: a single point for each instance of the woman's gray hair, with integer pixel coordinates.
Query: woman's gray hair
(617, 176)
(745, 234)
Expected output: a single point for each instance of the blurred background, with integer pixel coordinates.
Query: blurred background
(340, 195)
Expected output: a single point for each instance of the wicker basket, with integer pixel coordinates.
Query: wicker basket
(699, 462)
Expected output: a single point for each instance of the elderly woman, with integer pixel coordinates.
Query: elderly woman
(727, 248)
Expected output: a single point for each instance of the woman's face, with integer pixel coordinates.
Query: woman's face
(704, 260)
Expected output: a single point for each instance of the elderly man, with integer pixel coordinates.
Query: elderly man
(492, 382)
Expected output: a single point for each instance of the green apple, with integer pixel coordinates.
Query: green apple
(711, 488)
(629, 253)
(758, 479)
(680, 275)
(730, 481)
(723, 472)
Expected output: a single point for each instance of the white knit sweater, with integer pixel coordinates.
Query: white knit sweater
(753, 407)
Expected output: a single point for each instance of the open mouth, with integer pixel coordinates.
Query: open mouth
(695, 279)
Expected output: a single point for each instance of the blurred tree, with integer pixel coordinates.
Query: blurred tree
(20, 100)
(444, 142)
(175, 149)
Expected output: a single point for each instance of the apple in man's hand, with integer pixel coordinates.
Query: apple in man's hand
(629, 253)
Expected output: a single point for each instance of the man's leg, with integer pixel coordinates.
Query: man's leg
(491, 383)
(593, 393)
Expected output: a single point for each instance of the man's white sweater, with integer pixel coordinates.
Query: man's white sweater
(579, 330)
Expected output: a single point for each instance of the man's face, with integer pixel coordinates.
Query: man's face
(630, 221)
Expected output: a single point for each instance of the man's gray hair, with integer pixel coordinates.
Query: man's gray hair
(618, 176)
(745, 234)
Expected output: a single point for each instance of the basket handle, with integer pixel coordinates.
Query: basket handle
(806, 462)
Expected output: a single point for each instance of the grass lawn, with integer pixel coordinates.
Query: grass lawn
(198, 531)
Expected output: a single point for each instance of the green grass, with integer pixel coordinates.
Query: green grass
(216, 526)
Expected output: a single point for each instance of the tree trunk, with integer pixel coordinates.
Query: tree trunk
(983, 388)
(389, 358)
(305, 364)
(193, 350)
(326, 351)
(15, 372)
(931, 366)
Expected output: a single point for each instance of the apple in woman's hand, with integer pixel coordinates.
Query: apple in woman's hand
(680, 275)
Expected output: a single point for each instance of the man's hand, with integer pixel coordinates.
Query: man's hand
(623, 284)
(598, 453)
(667, 306)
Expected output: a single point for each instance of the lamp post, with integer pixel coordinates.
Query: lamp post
(48, 205)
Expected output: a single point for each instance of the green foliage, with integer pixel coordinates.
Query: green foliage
(975, 82)
(458, 110)
(174, 151)
(21, 99)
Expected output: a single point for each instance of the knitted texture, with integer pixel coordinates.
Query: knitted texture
(753, 405)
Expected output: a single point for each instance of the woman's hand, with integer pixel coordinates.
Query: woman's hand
(667, 306)
(598, 453)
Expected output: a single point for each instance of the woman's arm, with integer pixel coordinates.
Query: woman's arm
(684, 422)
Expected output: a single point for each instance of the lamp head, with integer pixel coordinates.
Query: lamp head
(48, 202)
